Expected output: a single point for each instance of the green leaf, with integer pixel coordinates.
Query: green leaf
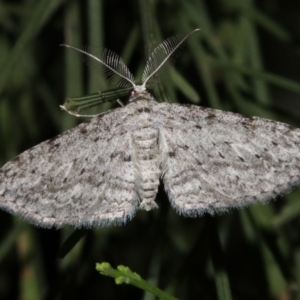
(123, 274)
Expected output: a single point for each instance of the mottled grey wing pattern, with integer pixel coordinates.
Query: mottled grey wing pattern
(82, 177)
(97, 173)
(214, 160)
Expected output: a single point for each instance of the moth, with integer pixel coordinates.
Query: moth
(100, 173)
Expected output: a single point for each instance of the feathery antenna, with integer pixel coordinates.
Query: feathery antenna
(161, 54)
(114, 66)
(118, 72)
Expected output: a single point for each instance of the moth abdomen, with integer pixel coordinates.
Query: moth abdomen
(146, 153)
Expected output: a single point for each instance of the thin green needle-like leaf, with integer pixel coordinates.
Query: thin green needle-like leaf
(76, 104)
(268, 77)
(73, 70)
(96, 37)
(71, 241)
(185, 87)
(8, 242)
(263, 20)
(201, 64)
(289, 212)
(41, 12)
(221, 277)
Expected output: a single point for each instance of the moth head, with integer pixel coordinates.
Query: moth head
(139, 93)
(139, 88)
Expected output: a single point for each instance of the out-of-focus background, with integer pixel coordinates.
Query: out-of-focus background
(245, 59)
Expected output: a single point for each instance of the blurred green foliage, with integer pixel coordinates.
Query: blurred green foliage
(245, 59)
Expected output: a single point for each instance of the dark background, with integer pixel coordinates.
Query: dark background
(245, 59)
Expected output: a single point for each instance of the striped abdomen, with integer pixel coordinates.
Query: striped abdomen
(146, 152)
